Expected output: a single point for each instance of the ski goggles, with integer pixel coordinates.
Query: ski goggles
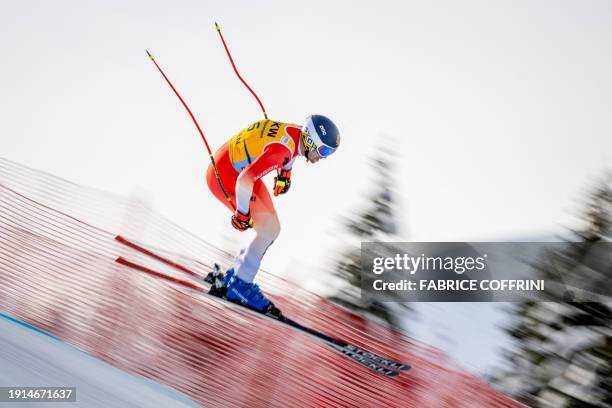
(312, 141)
(325, 151)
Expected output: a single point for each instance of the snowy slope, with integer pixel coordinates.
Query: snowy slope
(29, 357)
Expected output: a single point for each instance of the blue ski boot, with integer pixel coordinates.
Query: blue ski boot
(228, 276)
(246, 294)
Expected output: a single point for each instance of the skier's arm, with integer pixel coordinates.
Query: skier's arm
(273, 157)
(289, 165)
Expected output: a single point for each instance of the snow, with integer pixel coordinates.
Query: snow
(566, 342)
(29, 357)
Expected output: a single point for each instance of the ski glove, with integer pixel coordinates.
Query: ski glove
(282, 182)
(242, 222)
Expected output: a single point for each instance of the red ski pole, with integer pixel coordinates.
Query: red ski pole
(227, 197)
(236, 71)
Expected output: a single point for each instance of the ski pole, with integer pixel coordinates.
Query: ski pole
(236, 70)
(212, 159)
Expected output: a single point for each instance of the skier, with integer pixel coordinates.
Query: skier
(264, 146)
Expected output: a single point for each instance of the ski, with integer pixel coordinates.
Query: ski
(215, 278)
(364, 357)
(348, 349)
(352, 352)
(212, 278)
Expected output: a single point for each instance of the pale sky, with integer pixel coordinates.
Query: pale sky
(501, 109)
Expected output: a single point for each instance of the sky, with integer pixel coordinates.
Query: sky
(499, 110)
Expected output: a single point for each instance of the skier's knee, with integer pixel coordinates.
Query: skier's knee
(272, 229)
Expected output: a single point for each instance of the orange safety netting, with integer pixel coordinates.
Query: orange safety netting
(58, 272)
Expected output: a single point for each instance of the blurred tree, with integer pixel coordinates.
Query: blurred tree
(377, 222)
(563, 355)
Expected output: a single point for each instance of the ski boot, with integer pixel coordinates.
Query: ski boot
(249, 295)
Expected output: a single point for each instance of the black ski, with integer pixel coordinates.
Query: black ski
(215, 278)
(354, 352)
(364, 357)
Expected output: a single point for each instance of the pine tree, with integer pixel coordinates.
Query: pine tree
(564, 346)
(377, 222)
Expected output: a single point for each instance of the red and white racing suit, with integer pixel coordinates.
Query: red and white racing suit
(255, 151)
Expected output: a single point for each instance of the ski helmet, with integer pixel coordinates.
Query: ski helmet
(320, 133)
